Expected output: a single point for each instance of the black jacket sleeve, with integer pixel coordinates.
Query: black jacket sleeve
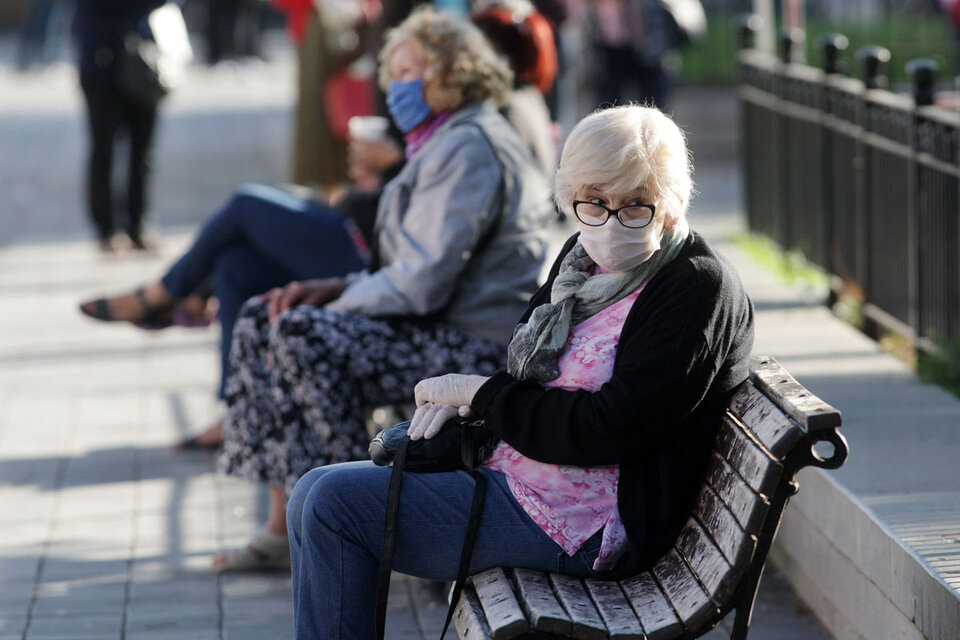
(675, 340)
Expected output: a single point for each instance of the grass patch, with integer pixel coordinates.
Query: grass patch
(790, 266)
(942, 367)
(711, 61)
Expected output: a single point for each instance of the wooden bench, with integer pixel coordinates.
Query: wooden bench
(770, 432)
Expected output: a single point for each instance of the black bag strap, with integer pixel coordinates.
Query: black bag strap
(389, 536)
(469, 540)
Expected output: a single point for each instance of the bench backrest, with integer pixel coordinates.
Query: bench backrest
(769, 432)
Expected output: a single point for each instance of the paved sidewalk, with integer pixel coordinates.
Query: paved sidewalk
(104, 531)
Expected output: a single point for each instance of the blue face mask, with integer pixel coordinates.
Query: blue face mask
(406, 104)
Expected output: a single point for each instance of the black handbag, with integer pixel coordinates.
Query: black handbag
(138, 66)
(152, 53)
(462, 443)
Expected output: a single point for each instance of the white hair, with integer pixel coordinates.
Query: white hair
(624, 149)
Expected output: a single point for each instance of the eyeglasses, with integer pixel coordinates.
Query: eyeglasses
(633, 216)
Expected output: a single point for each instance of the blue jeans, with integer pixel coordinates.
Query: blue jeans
(335, 518)
(262, 238)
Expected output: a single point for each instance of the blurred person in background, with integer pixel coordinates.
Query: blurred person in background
(233, 29)
(112, 114)
(524, 37)
(631, 38)
(32, 39)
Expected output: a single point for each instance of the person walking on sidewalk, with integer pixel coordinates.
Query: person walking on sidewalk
(112, 114)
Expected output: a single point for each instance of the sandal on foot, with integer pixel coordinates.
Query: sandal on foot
(267, 551)
(209, 439)
(152, 317)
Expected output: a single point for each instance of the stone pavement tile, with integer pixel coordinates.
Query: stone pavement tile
(171, 586)
(77, 627)
(102, 593)
(174, 622)
(79, 568)
(429, 604)
(17, 568)
(777, 615)
(96, 502)
(257, 606)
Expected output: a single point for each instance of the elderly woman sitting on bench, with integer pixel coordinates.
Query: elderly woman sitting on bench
(616, 379)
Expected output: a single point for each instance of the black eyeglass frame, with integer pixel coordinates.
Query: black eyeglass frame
(615, 213)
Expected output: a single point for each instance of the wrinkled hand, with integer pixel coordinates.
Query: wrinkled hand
(428, 419)
(453, 389)
(308, 292)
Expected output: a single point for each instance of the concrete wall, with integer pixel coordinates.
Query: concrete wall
(855, 574)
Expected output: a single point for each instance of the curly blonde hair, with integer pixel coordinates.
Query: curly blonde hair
(462, 67)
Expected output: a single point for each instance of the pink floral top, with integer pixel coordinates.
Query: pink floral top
(572, 503)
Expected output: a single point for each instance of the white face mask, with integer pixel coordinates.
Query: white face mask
(618, 248)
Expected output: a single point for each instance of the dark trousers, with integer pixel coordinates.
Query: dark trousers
(233, 29)
(111, 115)
(262, 238)
(623, 69)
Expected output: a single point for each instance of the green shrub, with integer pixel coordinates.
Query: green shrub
(712, 61)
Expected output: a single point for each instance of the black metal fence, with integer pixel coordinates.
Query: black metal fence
(864, 181)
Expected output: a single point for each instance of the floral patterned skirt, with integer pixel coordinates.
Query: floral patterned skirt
(298, 388)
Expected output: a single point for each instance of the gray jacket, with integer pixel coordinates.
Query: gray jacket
(473, 173)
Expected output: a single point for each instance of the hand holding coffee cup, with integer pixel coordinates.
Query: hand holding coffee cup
(371, 151)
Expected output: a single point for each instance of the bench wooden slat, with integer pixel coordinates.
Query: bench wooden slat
(585, 620)
(773, 429)
(755, 466)
(544, 611)
(657, 617)
(496, 596)
(736, 545)
(615, 609)
(688, 598)
(788, 394)
(468, 617)
(713, 570)
(747, 506)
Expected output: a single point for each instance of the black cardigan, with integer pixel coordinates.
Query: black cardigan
(684, 348)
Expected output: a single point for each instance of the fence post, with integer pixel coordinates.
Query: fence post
(832, 45)
(922, 72)
(873, 61)
(790, 42)
(748, 26)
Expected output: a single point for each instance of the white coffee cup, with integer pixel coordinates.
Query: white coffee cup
(368, 128)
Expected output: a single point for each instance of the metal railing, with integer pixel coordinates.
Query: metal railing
(864, 181)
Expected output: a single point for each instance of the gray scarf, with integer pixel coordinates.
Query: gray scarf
(576, 295)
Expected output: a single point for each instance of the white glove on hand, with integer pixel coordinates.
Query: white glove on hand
(454, 389)
(428, 419)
